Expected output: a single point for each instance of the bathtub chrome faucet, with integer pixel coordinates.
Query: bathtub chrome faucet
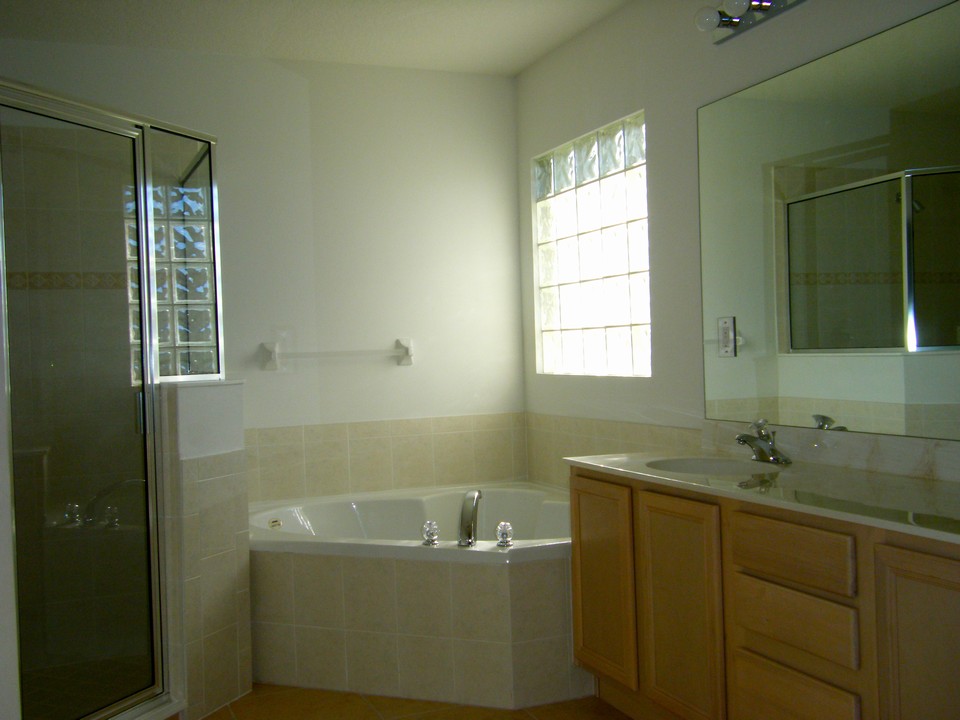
(468, 518)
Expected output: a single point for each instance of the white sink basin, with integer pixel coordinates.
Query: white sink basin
(713, 466)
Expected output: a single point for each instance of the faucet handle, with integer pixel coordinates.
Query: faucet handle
(760, 427)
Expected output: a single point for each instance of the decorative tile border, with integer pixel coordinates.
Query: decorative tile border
(67, 280)
(846, 278)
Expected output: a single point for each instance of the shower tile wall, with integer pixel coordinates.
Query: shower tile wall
(65, 289)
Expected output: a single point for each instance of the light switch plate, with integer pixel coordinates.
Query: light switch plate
(727, 336)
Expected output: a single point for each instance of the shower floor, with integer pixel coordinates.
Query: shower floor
(78, 689)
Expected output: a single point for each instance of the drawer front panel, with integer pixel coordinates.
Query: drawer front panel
(762, 690)
(818, 559)
(819, 627)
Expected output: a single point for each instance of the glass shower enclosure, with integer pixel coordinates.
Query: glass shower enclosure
(95, 311)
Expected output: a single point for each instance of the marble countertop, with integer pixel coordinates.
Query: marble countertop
(917, 506)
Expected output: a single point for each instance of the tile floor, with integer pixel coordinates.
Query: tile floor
(274, 702)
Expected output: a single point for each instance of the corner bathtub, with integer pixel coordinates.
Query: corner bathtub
(389, 524)
(346, 597)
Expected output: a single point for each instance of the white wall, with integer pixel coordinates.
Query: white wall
(650, 56)
(358, 205)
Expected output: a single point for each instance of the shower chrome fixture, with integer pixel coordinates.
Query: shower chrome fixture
(734, 16)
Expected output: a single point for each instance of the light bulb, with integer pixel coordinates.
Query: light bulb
(707, 18)
(736, 8)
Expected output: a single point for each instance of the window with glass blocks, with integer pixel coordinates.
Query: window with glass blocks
(184, 261)
(591, 250)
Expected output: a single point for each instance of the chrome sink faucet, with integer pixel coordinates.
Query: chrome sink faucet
(468, 518)
(763, 444)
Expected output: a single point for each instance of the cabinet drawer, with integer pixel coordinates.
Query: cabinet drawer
(819, 559)
(762, 689)
(814, 625)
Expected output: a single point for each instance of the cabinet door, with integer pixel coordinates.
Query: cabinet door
(604, 603)
(680, 609)
(918, 613)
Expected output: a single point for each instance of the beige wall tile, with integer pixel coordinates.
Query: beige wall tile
(455, 423)
(244, 639)
(539, 595)
(271, 585)
(424, 605)
(415, 426)
(217, 525)
(371, 464)
(372, 663)
(327, 477)
(274, 655)
(318, 591)
(485, 590)
(194, 653)
(192, 610)
(333, 435)
(278, 482)
(493, 455)
(498, 421)
(290, 435)
(371, 429)
(221, 671)
(541, 671)
(426, 669)
(218, 589)
(454, 461)
(483, 673)
(321, 658)
(413, 461)
(369, 585)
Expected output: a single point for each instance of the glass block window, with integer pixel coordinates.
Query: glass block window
(184, 262)
(591, 254)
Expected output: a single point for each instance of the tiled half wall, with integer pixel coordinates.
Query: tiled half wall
(491, 635)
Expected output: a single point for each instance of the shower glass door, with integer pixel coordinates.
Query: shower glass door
(85, 539)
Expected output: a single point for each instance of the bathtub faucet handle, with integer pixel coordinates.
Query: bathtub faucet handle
(431, 533)
(504, 534)
(468, 518)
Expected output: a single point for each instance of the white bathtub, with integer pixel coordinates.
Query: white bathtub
(389, 524)
(345, 596)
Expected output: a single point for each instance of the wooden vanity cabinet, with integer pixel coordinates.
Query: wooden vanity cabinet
(918, 612)
(679, 603)
(604, 600)
(707, 608)
(795, 626)
(647, 611)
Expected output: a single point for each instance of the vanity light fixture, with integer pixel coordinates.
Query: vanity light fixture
(734, 16)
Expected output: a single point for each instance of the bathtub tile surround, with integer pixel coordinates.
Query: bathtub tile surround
(550, 438)
(333, 459)
(416, 629)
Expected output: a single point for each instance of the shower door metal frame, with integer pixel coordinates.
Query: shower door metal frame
(167, 695)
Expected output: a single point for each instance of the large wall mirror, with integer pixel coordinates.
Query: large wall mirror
(830, 238)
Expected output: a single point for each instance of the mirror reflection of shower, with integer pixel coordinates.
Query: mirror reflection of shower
(875, 264)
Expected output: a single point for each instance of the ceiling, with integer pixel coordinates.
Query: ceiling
(498, 37)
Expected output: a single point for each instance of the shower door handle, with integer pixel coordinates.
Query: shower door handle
(141, 426)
